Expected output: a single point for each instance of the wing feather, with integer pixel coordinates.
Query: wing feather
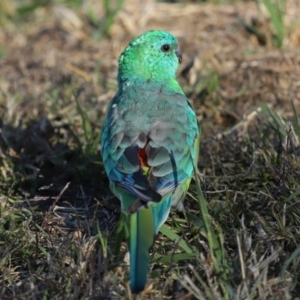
(167, 137)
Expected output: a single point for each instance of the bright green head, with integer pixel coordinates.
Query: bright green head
(154, 55)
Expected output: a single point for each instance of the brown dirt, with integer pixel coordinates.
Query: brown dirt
(58, 50)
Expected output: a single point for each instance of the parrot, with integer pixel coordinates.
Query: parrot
(149, 142)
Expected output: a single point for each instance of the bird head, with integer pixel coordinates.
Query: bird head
(152, 56)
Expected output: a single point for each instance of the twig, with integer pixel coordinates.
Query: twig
(51, 208)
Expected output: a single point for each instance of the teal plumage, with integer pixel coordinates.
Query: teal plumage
(149, 142)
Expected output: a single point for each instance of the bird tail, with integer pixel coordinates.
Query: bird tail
(143, 227)
(141, 237)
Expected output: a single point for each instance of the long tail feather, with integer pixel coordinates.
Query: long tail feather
(141, 238)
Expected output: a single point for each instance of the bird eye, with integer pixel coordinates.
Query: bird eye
(165, 48)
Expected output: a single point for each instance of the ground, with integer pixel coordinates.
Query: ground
(58, 222)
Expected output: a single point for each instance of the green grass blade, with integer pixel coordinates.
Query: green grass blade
(216, 249)
(295, 120)
(85, 125)
(276, 11)
(176, 238)
(213, 242)
(290, 260)
(175, 257)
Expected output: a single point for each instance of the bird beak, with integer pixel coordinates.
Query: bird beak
(178, 54)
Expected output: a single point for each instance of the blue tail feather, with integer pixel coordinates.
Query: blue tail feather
(144, 225)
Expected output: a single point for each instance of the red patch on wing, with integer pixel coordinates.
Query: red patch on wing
(143, 157)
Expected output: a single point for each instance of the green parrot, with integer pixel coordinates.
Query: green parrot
(149, 143)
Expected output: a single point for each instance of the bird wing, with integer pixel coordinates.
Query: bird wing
(150, 155)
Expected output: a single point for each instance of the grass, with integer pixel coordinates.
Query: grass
(102, 27)
(276, 10)
(237, 237)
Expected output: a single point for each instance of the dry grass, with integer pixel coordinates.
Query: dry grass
(57, 217)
